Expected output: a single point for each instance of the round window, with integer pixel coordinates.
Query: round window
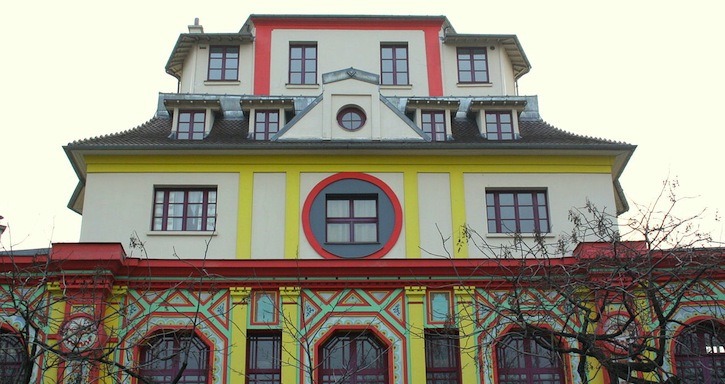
(351, 118)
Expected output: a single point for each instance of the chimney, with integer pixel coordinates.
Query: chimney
(196, 28)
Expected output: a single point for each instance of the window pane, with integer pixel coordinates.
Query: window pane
(338, 208)
(366, 233)
(365, 208)
(338, 233)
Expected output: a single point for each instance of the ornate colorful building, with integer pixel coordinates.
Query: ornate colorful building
(326, 199)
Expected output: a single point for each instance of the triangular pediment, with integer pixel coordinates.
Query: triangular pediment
(342, 90)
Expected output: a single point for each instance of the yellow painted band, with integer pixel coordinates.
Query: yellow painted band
(481, 164)
(292, 216)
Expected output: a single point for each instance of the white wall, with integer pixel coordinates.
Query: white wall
(120, 205)
(564, 191)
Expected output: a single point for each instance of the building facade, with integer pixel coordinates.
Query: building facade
(326, 199)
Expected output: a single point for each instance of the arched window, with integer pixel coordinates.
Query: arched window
(353, 358)
(700, 354)
(12, 358)
(168, 353)
(522, 361)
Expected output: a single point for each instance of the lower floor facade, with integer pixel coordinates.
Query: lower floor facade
(363, 321)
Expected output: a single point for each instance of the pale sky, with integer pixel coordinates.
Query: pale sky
(642, 72)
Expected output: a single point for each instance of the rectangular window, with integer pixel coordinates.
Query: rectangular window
(184, 209)
(394, 64)
(352, 218)
(434, 124)
(264, 355)
(439, 307)
(472, 65)
(499, 126)
(223, 63)
(191, 125)
(265, 308)
(517, 211)
(266, 124)
(442, 358)
(303, 64)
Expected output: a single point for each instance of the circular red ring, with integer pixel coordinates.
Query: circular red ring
(397, 210)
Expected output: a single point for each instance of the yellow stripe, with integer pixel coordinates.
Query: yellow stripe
(410, 214)
(292, 216)
(244, 217)
(485, 164)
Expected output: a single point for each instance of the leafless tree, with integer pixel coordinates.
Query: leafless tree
(619, 303)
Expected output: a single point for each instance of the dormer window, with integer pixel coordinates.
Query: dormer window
(191, 125)
(223, 63)
(472, 65)
(434, 124)
(499, 126)
(497, 117)
(266, 124)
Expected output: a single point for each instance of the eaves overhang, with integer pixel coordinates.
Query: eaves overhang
(187, 41)
(510, 44)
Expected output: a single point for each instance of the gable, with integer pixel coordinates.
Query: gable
(353, 94)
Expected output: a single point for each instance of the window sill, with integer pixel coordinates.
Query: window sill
(373, 243)
(475, 85)
(302, 86)
(182, 233)
(522, 235)
(392, 86)
(222, 82)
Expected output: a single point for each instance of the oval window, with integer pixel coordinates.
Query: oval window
(351, 118)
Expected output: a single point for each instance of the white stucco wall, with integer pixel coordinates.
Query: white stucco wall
(340, 49)
(268, 215)
(434, 213)
(126, 200)
(196, 67)
(500, 74)
(564, 191)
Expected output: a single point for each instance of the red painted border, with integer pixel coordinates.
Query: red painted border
(263, 42)
(398, 212)
(390, 349)
(673, 340)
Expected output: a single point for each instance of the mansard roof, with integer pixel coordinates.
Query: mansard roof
(233, 134)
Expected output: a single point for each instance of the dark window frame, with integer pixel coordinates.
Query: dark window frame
(206, 205)
(522, 363)
(495, 219)
(168, 348)
(351, 220)
(351, 118)
(226, 63)
(14, 356)
(470, 60)
(266, 128)
(693, 361)
(396, 67)
(194, 130)
(354, 343)
(304, 64)
(499, 129)
(255, 373)
(449, 347)
(435, 129)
